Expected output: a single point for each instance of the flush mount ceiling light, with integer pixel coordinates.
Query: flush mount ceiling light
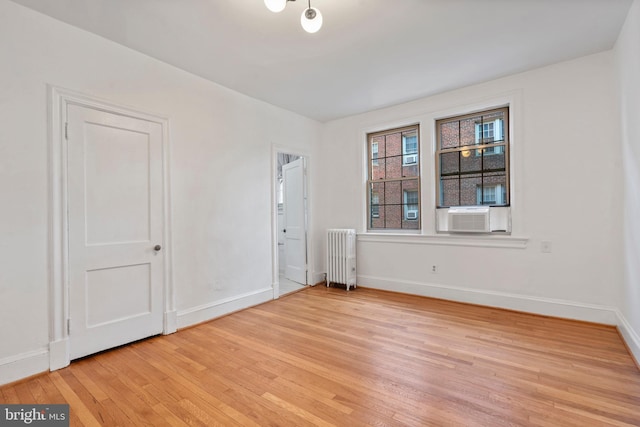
(311, 19)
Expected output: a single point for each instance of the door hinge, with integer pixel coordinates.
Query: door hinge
(66, 130)
(68, 326)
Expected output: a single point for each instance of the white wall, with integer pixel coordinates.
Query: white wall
(221, 171)
(628, 64)
(566, 190)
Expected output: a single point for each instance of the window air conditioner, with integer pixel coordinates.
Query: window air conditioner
(412, 214)
(469, 219)
(408, 160)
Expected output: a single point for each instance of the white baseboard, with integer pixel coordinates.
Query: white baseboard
(59, 354)
(317, 277)
(170, 322)
(209, 311)
(530, 304)
(630, 336)
(23, 365)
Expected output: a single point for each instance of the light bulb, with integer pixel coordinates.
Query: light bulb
(275, 5)
(311, 20)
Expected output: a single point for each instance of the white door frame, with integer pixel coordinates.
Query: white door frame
(59, 99)
(275, 149)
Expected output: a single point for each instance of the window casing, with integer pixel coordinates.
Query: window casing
(393, 182)
(472, 159)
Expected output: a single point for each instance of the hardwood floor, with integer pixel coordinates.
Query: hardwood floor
(322, 357)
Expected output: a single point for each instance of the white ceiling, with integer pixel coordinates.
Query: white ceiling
(369, 53)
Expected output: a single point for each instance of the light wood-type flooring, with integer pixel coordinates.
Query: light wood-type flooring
(323, 357)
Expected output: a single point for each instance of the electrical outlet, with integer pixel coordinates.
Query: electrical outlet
(434, 269)
(545, 247)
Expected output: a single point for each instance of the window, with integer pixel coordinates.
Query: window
(472, 162)
(393, 184)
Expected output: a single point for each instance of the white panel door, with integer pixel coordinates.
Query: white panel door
(115, 204)
(295, 242)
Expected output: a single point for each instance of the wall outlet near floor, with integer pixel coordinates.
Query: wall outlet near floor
(434, 269)
(545, 247)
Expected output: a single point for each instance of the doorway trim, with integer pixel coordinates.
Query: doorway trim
(275, 266)
(58, 259)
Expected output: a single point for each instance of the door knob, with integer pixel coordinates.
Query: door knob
(157, 248)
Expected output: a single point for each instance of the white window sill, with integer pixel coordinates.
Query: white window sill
(482, 240)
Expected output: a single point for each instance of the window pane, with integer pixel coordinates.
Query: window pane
(377, 145)
(377, 189)
(468, 189)
(378, 169)
(450, 135)
(380, 140)
(410, 196)
(393, 216)
(493, 160)
(393, 193)
(393, 167)
(375, 205)
(410, 170)
(411, 224)
(377, 218)
(468, 131)
(393, 145)
(472, 162)
(450, 163)
(450, 191)
(411, 206)
(374, 154)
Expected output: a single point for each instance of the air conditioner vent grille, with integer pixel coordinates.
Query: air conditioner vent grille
(469, 220)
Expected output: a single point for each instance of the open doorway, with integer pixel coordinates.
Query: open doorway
(291, 199)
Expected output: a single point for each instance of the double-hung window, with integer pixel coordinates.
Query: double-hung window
(472, 159)
(393, 182)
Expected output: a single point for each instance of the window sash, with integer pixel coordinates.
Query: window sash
(385, 157)
(497, 168)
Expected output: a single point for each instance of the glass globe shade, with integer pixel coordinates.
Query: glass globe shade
(313, 23)
(275, 5)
